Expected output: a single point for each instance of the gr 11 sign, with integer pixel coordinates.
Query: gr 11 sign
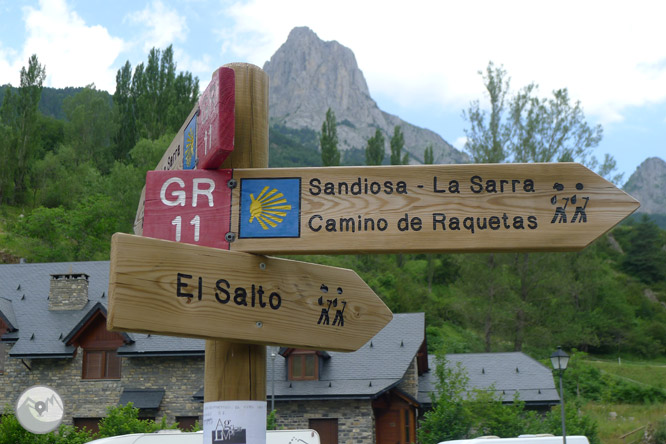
(437, 208)
(176, 289)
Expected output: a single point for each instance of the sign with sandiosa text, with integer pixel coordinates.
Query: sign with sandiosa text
(426, 208)
(176, 289)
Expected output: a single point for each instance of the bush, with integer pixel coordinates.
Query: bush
(659, 436)
(11, 432)
(122, 420)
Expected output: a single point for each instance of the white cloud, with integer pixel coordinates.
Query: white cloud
(73, 53)
(163, 25)
(460, 142)
(609, 54)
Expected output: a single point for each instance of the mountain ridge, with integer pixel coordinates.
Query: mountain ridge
(648, 185)
(309, 75)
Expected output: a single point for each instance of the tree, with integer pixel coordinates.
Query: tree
(89, 129)
(428, 155)
(526, 128)
(645, 257)
(397, 143)
(449, 418)
(124, 112)
(152, 101)
(486, 140)
(330, 155)
(374, 151)
(19, 115)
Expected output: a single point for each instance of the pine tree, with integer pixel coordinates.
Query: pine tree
(152, 101)
(374, 151)
(26, 139)
(397, 143)
(330, 155)
(428, 155)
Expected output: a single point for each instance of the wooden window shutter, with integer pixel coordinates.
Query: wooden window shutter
(93, 364)
(113, 363)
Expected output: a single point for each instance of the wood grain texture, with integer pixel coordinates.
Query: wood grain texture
(251, 138)
(250, 151)
(176, 289)
(237, 369)
(439, 208)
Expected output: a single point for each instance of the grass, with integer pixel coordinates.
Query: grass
(649, 373)
(629, 418)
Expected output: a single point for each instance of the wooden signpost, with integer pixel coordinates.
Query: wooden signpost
(239, 302)
(436, 208)
(178, 289)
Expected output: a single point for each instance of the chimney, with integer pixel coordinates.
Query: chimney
(68, 291)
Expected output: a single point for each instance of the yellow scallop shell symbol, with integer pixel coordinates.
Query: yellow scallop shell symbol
(268, 208)
(189, 147)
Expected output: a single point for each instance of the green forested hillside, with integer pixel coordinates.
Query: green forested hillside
(71, 177)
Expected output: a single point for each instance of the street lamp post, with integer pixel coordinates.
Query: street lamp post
(273, 381)
(560, 359)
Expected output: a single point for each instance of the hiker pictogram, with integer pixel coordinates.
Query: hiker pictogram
(560, 215)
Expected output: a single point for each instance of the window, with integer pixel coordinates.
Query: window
(303, 365)
(101, 364)
(92, 424)
(186, 423)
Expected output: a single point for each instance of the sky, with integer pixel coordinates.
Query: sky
(421, 59)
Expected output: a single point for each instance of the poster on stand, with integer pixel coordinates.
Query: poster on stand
(234, 422)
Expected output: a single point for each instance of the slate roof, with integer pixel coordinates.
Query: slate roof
(7, 313)
(24, 290)
(507, 373)
(368, 372)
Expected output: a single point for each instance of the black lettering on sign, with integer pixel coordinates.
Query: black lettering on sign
(453, 187)
(360, 186)
(350, 224)
(181, 285)
(405, 223)
(242, 297)
(479, 185)
(440, 222)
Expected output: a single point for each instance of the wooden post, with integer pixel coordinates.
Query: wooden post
(236, 371)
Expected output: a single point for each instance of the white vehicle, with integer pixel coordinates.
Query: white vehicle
(522, 439)
(178, 437)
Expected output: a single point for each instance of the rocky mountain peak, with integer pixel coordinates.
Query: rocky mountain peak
(648, 185)
(308, 75)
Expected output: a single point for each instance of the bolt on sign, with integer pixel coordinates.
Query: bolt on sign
(426, 208)
(177, 289)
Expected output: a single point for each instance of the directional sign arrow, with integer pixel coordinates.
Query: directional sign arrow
(207, 136)
(176, 289)
(436, 208)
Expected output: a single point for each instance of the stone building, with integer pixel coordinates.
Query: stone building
(53, 331)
